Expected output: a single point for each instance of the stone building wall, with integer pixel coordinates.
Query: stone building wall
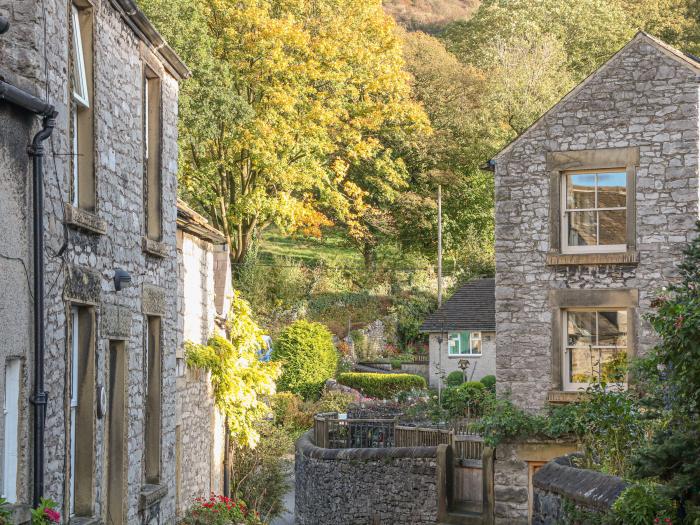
(83, 275)
(200, 426)
(397, 486)
(480, 366)
(646, 97)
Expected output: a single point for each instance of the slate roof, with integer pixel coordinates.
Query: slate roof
(471, 307)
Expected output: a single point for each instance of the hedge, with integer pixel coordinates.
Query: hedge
(455, 378)
(308, 358)
(382, 386)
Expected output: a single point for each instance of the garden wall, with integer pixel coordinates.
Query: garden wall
(558, 485)
(368, 486)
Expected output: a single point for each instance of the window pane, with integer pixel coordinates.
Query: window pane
(614, 364)
(464, 342)
(80, 92)
(582, 228)
(612, 328)
(612, 190)
(453, 343)
(476, 344)
(581, 365)
(580, 191)
(613, 227)
(580, 328)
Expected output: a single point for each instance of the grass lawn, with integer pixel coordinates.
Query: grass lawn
(331, 249)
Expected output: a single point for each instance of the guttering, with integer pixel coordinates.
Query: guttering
(39, 107)
(145, 30)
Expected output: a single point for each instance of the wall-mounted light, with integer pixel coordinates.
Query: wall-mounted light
(122, 279)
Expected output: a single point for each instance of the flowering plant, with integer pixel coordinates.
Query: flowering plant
(221, 510)
(45, 513)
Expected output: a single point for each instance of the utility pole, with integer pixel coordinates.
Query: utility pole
(439, 261)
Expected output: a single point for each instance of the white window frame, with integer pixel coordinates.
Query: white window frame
(473, 336)
(13, 374)
(568, 385)
(564, 219)
(80, 89)
(73, 402)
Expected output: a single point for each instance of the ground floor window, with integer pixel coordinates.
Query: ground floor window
(153, 401)
(595, 347)
(13, 369)
(464, 343)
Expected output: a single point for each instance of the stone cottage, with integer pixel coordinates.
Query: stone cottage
(463, 329)
(109, 320)
(204, 300)
(595, 203)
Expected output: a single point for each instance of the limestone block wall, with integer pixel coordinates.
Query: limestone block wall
(360, 486)
(83, 275)
(559, 485)
(513, 467)
(480, 366)
(646, 99)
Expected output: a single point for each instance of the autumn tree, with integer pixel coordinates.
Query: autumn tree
(283, 116)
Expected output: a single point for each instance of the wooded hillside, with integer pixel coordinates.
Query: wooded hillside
(429, 15)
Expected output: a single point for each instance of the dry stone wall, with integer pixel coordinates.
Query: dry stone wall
(394, 486)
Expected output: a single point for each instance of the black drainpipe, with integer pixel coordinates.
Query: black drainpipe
(35, 105)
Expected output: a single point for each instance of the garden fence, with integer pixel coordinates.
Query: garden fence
(330, 431)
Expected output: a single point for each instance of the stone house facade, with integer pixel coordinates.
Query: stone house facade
(110, 178)
(463, 328)
(204, 300)
(595, 203)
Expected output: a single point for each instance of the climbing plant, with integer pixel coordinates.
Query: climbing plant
(241, 382)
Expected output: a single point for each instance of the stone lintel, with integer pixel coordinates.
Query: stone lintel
(630, 258)
(116, 321)
(592, 159)
(155, 248)
(151, 494)
(84, 220)
(153, 300)
(82, 286)
(594, 298)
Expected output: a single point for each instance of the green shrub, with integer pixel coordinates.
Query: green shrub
(641, 504)
(308, 358)
(382, 386)
(289, 412)
(489, 382)
(260, 475)
(455, 378)
(465, 399)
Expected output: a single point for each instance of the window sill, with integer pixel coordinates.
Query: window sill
(151, 494)
(583, 259)
(155, 248)
(19, 513)
(85, 220)
(80, 520)
(463, 356)
(561, 397)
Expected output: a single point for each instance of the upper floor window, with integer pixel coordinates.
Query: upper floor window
(152, 143)
(594, 211)
(464, 343)
(82, 127)
(595, 347)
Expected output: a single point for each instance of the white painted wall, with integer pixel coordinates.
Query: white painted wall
(479, 367)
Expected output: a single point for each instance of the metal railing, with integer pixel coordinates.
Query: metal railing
(330, 431)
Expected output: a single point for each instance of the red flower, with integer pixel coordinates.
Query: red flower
(52, 515)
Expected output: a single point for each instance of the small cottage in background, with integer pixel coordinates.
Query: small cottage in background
(463, 328)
